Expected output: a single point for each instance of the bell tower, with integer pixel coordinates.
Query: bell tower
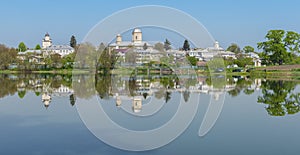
(47, 42)
(137, 36)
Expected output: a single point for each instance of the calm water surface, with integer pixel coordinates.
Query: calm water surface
(38, 114)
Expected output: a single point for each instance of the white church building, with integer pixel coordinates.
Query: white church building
(49, 48)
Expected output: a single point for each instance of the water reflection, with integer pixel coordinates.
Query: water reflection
(45, 86)
(279, 97)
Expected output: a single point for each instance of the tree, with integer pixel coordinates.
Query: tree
(145, 46)
(243, 62)
(7, 56)
(22, 47)
(159, 47)
(192, 60)
(234, 48)
(73, 41)
(167, 45)
(37, 47)
(186, 45)
(130, 56)
(292, 41)
(278, 46)
(248, 49)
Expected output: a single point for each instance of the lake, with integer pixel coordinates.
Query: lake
(120, 114)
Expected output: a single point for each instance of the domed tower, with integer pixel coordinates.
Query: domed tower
(46, 41)
(217, 46)
(118, 39)
(137, 36)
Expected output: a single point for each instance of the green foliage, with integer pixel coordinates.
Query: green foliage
(7, 56)
(159, 47)
(248, 49)
(279, 98)
(192, 60)
(73, 41)
(243, 62)
(167, 45)
(22, 47)
(186, 45)
(278, 46)
(130, 56)
(234, 48)
(37, 47)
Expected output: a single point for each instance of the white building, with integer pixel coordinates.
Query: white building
(49, 48)
(62, 50)
(255, 57)
(210, 52)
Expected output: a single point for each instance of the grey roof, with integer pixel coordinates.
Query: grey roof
(59, 47)
(30, 51)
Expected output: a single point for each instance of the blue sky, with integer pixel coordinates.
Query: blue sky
(229, 21)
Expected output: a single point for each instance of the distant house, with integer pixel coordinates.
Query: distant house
(35, 56)
(208, 53)
(255, 57)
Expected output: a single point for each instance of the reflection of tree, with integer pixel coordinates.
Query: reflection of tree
(72, 99)
(241, 84)
(9, 87)
(22, 93)
(278, 97)
(167, 96)
(83, 86)
(160, 93)
(132, 86)
(186, 95)
(103, 85)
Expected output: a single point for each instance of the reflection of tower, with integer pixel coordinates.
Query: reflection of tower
(137, 105)
(137, 36)
(216, 96)
(46, 99)
(47, 42)
(118, 101)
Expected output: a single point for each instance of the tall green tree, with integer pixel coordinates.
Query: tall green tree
(37, 47)
(73, 41)
(22, 47)
(279, 46)
(167, 45)
(248, 49)
(186, 45)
